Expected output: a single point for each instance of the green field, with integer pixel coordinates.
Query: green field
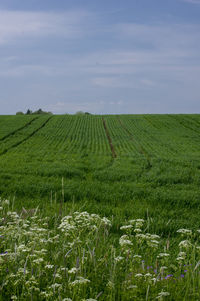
(119, 166)
(151, 159)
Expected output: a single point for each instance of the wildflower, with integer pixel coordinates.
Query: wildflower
(154, 236)
(3, 254)
(46, 295)
(140, 237)
(110, 285)
(57, 275)
(168, 276)
(163, 268)
(153, 243)
(38, 260)
(162, 294)
(137, 230)
(184, 231)
(128, 227)
(123, 241)
(147, 275)
(79, 281)
(49, 266)
(56, 285)
(182, 254)
(119, 258)
(6, 202)
(139, 275)
(185, 244)
(179, 258)
(73, 270)
(106, 221)
(163, 255)
(132, 287)
(149, 267)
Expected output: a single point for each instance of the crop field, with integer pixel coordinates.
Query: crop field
(141, 172)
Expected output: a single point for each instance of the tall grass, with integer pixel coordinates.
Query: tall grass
(73, 255)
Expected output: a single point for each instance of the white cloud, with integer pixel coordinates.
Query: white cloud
(192, 1)
(111, 82)
(155, 62)
(71, 107)
(21, 24)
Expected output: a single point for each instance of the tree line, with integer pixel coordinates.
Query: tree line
(37, 112)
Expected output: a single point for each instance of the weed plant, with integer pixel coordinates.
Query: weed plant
(72, 255)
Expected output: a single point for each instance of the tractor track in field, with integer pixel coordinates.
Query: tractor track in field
(114, 155)
(26, 138)
(18, 130)
(141, 149)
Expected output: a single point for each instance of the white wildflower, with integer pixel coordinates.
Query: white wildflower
(163, 268)
(106, 221)
(163, 255)
(38, 260)
(162, 294)
(119, 258)
(137, 230)
(49, 266)
(132, 287)
(182, 254)
(180, 258)
(185, 231)
(73, 270)
(56, 285)
(185, 244)
(124, 241)
(128, 227)
(139, 275)
(79, 281)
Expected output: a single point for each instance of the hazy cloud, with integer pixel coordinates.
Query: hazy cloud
(68, 61)
(192, 1)
(22, 24)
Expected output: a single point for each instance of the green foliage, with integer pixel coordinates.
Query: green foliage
(157, 164)
(19, 113)
(37, 112)
(62, 253)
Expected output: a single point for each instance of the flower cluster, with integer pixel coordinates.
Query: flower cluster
(74, 258)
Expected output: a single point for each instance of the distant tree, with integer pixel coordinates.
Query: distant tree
(87, 113)
(28, 112)
(39, 111)
(19, 113)
(80, 113)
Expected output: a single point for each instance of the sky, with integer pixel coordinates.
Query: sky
(100, 56)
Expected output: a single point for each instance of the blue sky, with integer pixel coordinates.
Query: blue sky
(104, 57)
